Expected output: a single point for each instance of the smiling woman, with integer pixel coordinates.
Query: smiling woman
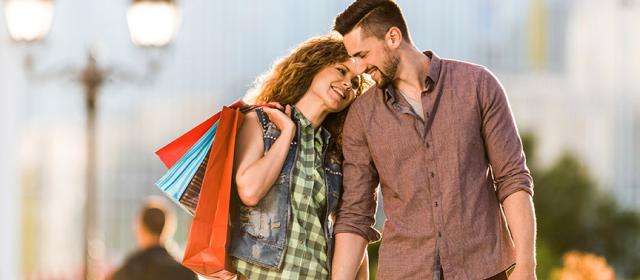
(292, 76)
(288, 164)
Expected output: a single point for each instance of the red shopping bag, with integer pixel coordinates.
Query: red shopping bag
(173, 151)
(208, 240)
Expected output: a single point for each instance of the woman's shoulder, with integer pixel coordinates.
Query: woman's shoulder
(258, 116)
(251, 123)
(251, 115)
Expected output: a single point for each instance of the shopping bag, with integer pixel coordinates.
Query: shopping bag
(183, 180)
(172, 152)
(208, 239)
(178, 178)
(191, 195)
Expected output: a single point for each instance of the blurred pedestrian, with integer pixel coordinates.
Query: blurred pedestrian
(154, 228)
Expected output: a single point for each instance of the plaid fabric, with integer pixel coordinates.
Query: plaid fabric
(306, 255)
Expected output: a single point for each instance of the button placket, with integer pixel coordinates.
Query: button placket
(430, 174)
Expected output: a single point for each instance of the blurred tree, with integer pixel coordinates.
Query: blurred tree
(574, 214)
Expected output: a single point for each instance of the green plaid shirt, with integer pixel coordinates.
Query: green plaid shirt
(306, 255)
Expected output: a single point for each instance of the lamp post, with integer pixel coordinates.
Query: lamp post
(152, 24)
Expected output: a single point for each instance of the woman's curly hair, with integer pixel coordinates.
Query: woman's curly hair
(291, 77)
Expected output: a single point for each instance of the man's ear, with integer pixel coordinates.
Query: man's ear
(393, 38)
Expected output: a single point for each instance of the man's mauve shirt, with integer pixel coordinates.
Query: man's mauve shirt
(445, 184)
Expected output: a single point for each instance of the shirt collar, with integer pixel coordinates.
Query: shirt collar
(299, 117)
(304, 123)
(431, 79)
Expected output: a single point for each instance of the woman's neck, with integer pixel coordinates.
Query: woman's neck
(312, 109)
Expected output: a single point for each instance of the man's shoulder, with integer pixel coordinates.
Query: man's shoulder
(153, 263)
(367, 99)
(457, 67)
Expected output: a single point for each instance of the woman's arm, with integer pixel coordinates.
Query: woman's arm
(255, 172)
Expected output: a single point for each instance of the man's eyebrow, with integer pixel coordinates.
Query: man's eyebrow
(358, 54)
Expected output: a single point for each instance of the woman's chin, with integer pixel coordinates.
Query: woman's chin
(337, 107)
(332, 104)
(332, 107)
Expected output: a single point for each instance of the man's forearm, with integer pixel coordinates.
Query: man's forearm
(363, 271)
(518, 208)
(349, 251)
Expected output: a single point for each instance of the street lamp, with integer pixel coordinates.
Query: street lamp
(28, 20)
(152, 24)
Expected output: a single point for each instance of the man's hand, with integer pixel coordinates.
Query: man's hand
(223, 274)
(523, 272)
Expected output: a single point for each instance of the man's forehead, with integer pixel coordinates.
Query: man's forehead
(353, 41)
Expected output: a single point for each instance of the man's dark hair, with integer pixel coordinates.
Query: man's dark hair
(374, 16)
(157, 217)
(153, 220)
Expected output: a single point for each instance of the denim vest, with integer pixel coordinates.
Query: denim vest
(260, 233)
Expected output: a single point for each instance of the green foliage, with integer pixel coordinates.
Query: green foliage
(372, 250)
(574, 214)
(547, 259)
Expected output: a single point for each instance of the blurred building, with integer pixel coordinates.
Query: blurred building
(9, 181)
(592, 106)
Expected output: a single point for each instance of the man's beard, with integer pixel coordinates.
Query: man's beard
(388, 73)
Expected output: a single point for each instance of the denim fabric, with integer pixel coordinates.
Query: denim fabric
(259, 234)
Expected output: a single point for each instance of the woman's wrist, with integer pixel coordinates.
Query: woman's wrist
(288, 133)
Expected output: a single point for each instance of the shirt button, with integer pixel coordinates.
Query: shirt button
(432, 175)
(309, 177)
(428, 145)
(436, 204)
(439, 234)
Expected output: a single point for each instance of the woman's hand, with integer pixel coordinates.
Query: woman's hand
(282, 120)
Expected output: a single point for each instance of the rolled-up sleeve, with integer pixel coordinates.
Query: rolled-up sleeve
(356, 213)
(502, 141)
